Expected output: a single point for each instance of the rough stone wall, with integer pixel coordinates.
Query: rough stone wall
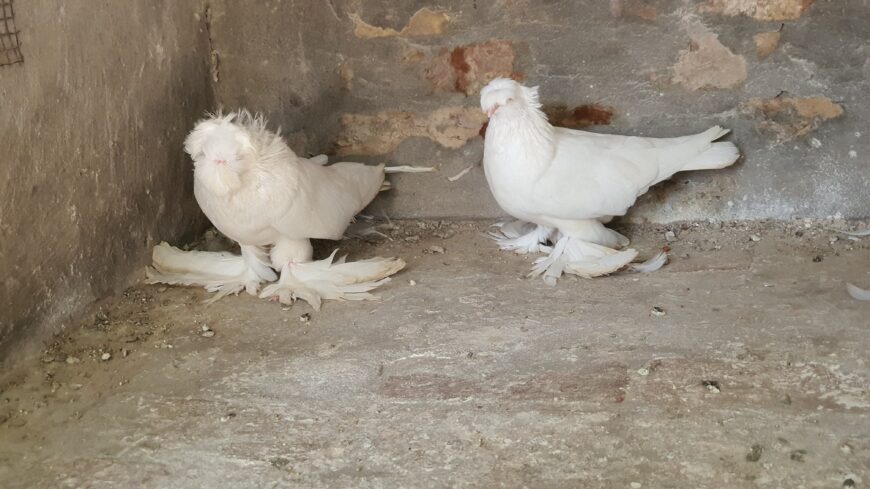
(91, 167)
(379, 80)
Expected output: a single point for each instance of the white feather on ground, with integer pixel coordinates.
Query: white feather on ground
(408, 169)
(460, 174)
(653, 264)
(572, 182)
(858, 293)
(859, 233)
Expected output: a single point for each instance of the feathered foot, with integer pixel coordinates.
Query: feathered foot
(593, 231)
(522, 237)
(221, 272)
(571, 255)
(324, 279)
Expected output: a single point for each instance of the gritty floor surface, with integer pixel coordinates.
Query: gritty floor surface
(743, 363)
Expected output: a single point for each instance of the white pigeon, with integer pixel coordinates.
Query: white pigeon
(564, 185)
(256, 191)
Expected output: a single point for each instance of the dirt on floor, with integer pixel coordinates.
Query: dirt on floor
(743, 363)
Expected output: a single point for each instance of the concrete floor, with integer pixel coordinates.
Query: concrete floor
(755, 376)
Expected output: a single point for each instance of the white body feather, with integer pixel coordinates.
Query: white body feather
(276, 195)
(552, 175)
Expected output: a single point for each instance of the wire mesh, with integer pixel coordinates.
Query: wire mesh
(10, 45)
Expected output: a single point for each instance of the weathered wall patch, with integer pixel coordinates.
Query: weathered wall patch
(425, 22)
(467, 69)
(451, 127)
(708, 64)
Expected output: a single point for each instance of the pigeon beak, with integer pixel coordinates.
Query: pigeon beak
(492, 110)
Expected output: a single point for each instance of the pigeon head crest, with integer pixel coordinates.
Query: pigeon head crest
(218, 141)
(504, 92)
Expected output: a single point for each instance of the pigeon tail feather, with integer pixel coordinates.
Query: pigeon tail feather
(720, 155)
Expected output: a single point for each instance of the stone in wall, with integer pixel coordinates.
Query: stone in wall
(764, 10)
(641, 9)
(580, 116)
(425, 22)
(708, 64)
(789, 118)
(382, 133)
(466, 69)
(766, 43)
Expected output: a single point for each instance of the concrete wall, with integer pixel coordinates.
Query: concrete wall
(91, 167)
(399, 81)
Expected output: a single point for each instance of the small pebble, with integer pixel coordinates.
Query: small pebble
(412, 282)
(817, 259)
(670, 236)
(798, 455)
(208, 334)
(205, 328)
(643, 372)
(305, 317)
(756, 238)
(279, 462)
(436, 250)
(17, 422)
(71, 360)
(712, 386)
(106, 356)
(658, 311)
(754, 454)
(636, 485)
